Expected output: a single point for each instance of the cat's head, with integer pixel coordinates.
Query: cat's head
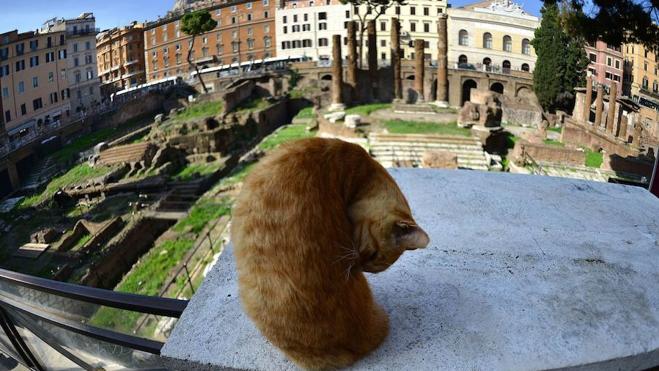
(384, 227)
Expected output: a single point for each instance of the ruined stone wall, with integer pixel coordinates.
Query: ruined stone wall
(336, 129)
(236, 95)
(631, 165)
(578, 134)
(548, 153)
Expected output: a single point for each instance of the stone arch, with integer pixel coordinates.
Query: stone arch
(467, 85)
(523, 91)
(327, 77)
(497, 87)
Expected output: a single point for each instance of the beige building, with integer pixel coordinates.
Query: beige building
(82, 72)
(120, 58)
(641, 83)
(33, 83)
(492, 35)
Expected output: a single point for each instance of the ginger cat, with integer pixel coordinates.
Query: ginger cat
(311, 217)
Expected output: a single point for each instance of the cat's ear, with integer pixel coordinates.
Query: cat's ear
(410, 236)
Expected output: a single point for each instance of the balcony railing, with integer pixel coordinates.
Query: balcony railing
(53, 325)
(83, 32)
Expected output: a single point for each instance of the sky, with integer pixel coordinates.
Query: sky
(26, 15)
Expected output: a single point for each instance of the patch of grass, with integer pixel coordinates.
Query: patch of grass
(196, 170)
(287, 134)
(252, 105)
(82, 143)
(367, 109)
(555, 129)
(594, 159)
(81, 242)
(305, 113)
(77, 174)
(198, 110)
(416, 127)
(553, 142)
(201, 213)
(237, 175)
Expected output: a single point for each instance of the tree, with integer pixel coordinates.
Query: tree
(194, 24)
(560, 64)
(374, 9)
(614, 22)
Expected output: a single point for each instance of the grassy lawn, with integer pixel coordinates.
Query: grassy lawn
(594, 159)
(367, 109)
(198, 110)
(77, 174)
(553, 142)
(415, 127)
(305, 113)
(287, 134)
(196, 170)
(81, 242)
(201, 213)
(82, 143)
(252, 105)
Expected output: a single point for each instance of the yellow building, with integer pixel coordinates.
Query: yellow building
(641, 83)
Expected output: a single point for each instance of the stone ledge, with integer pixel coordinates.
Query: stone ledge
(523, 272)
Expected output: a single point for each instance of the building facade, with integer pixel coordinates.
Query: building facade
(120, 58)
(82, 71)
(245, 32)
(34, 87)
(606, 63)
(641, 83)
(493, 35)
(305, 28)
(418, 20)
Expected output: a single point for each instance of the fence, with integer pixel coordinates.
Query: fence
(47, 324)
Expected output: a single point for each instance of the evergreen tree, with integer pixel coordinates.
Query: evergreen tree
(560, 64)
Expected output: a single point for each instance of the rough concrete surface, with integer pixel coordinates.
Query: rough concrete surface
(522, 273)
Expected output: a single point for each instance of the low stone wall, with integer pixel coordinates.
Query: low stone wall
(578, 134)
(236, 95)
(548, 153)
(336, 129)
(123, 252)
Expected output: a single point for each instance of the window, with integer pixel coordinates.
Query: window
(525, 67)
(23, 109)
(440, 11)
(487, 40)
(249, 16)
(284, 19)
(322, 42)
(526, 49)
(76, 62)
(34, 61)
(347, 14)
(4, 70)
(88, 45)
(20, 65)
(5, 92)
(306, 27)
(233, 20)
(426, 11)
(645, 83)
(383, 26)
(412, 10)
(78, 76)
(266, 14)
(51, 77)
(412, 26)
(266, 2)
(322, 26)
(50, 57)
(21, 87)
(267, 42)
(88, 59)
(593, 57)
(463, 38)
(34, 45)
(507, 44)
(90, 74)
(250, 43)
(75, 47)
(426, 27)
(617, 64)
(397, 10)
(37, 104)
(248, 5)
(462, 59)
(7, 116)
(234, 9)
(383, 43)
(609, 61)
(306, 17)
(20, 49)
(285, 29)
(322, 16)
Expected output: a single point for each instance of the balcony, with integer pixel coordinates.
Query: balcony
(522, 272)
(84, 32)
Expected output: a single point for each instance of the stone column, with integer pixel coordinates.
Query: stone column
(636, 140)
(599, 105)
(395, 59)
(622, 130)
(419, 45)
(611, 115)
(14, 179)
(372, 57)
(589, 99)
(352, 55)
(337, 75)
(442, 61)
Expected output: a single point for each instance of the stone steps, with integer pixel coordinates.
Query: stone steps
(121, 154)
(43, 173)
(422, 138)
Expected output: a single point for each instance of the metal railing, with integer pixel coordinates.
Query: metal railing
(51, 324)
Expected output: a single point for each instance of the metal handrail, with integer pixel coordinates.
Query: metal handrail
(136, 303)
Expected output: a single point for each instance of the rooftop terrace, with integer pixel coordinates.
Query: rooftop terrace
(523, 272)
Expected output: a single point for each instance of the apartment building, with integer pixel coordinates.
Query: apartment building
(493, 36)
(641, 82)
(305, 28)
(418, 20)
(606, 63)
(82, 71)
(34, 88)
(245, 32)
(120, 58)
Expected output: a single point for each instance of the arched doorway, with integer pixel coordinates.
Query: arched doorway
(462, 59)
(487, 61)
(466, 90)
(497, 87)
(525, 67)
